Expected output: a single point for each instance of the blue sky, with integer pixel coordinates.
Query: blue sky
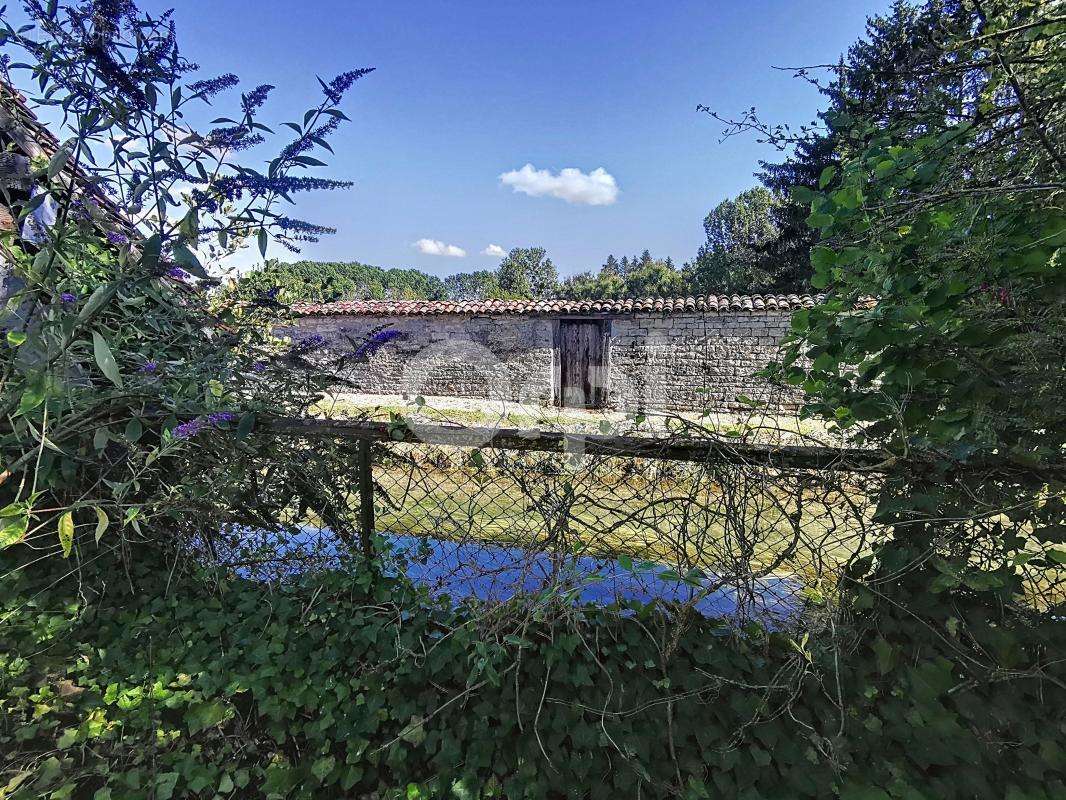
(466, 91)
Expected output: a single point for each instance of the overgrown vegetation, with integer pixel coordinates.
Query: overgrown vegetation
(132, 665)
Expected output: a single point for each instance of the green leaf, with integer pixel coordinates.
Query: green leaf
(102, 521)
(187, 259)
(262, 242)
(205, 715)
(153, 245)
(1055, 534)
(16, 338)
(58, 161)
(827, 176)
(97, 300)
(245, 426)
(822, 257)
(323, 766)
(66, 533)
(105, 359)
(164, 785)
(134, 429)
(13, 530)
(415, 732)
(32, 397)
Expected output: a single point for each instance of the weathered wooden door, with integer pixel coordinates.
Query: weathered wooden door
(582, 368)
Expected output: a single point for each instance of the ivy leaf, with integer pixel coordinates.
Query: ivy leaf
(105, 359)
(323, 766)
(415, 732)
(66, 533)
(205, 715)
(164, 785)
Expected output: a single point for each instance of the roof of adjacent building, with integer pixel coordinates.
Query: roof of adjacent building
(714, 304)
(33, 139)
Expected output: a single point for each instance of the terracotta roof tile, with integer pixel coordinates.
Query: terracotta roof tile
(715, 304)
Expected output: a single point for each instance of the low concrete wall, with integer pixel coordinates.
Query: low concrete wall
(667, 362)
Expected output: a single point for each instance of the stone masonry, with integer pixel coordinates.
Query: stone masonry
(654, 361)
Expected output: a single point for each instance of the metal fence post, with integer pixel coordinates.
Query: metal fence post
(366, 498)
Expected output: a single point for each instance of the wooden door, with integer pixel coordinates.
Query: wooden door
(582, 373)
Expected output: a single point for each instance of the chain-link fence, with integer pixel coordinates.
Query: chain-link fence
(715, 526)
(727, 526)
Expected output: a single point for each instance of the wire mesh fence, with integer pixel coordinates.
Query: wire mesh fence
(707, 525)
(745, 528)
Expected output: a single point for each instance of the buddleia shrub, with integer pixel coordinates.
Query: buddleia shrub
(131, 387)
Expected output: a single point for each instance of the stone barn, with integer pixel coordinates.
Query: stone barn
(655, 354)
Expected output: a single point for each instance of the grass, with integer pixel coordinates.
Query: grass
(752, 427)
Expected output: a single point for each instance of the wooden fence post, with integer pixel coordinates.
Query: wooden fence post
(366, 498)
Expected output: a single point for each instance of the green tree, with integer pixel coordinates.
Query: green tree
(527, 272)
(734, 258)
(949, 212)
(324, 281)
(640, 276)
(480, 285)
(874, 79)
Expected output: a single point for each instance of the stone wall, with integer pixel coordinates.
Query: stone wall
(687, 362)
(500, 358)
(667, 362)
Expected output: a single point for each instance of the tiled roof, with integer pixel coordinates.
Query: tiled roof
(32, 137)
(714, 304)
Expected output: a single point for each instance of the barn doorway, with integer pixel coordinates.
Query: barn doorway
(582, 363)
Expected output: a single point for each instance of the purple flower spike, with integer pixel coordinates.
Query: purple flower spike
(68, 298)
(251, 101)
(116, 238)
(308, 343)
(220, 418)
(150, 368)
(336, 88)
(177, 273)
(189, 429)
(375, 342)
(259, 366)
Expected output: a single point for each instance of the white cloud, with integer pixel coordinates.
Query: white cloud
(597, 188)
(435, 247)
(494, 250)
